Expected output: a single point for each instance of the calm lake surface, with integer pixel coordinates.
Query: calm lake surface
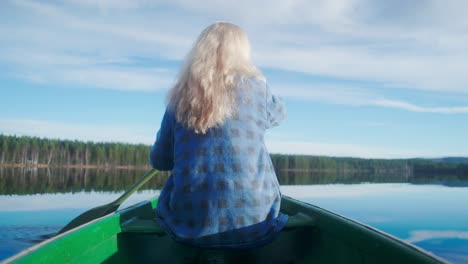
(431, 213)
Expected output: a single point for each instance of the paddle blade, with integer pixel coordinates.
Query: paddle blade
(90, 215)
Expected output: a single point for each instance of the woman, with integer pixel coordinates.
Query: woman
(223, 191)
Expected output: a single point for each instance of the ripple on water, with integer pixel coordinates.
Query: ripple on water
(14, 239)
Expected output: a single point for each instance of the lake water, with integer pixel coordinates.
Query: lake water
(34, 204)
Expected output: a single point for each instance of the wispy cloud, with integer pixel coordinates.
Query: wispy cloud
(61, 47)
(354, 96)
(414, 71)
(415, 45)
(90, 24)
(336, 94)
(116, 78)
(415, 108)
(86, 70)
(85, 132)
(412, 45)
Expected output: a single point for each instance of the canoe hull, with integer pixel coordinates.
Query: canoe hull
(328, 238)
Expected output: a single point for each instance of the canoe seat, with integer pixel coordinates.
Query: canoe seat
(136, 225)
(142, 241)
(149, 226)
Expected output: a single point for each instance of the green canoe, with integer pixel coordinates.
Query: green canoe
(315, 236)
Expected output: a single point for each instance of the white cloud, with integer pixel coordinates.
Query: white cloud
(422, 72)
(75, 51)
(411, 45)
(406, 44)
(133, 32)
(85, 132)
(86, 70)
(348, 95)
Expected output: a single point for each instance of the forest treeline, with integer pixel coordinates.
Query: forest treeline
(300, 164)
(53, 152)
(32, 151)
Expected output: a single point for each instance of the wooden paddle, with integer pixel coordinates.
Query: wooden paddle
(103, 210)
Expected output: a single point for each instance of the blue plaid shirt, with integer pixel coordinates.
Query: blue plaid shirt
(223, 191)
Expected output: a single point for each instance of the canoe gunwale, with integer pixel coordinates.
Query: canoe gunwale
(58, 237)
(52, 239)
(369, 228)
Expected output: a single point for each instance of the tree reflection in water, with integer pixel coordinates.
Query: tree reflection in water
(64, 180)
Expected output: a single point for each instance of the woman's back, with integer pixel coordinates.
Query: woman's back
(223, 189)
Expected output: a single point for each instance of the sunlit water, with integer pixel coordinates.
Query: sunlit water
(433, 217)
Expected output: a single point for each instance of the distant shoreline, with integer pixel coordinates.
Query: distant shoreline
(32, 152)
(74, 166)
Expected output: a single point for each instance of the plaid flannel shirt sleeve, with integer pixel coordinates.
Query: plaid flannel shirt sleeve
(162, 151)
(276, 111)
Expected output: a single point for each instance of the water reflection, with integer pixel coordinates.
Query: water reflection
(56, 201)
(63, 180)
(26, 220)
(425, 210)
(430, 216)
(422, 235)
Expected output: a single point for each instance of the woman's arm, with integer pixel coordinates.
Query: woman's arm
(162, 151)
(276, 112)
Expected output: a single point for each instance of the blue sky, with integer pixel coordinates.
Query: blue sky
(373, 79)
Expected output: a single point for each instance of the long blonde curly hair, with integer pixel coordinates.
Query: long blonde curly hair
(203, 96)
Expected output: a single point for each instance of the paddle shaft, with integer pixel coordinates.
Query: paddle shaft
(103, 210)
(148, 175)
